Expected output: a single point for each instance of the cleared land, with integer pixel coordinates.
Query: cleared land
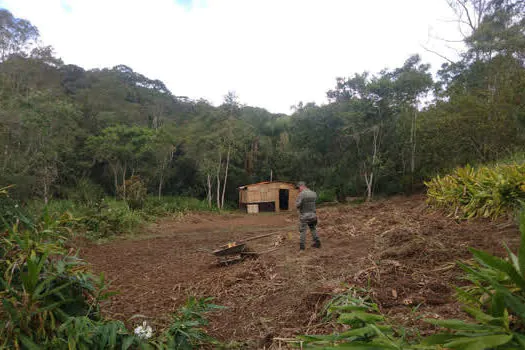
(397, 248)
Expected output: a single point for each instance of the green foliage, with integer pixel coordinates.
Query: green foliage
(496, 301)
(51, 301)
(364, 326)
(60, 123)
(105, 219)
(114, 218)
(134, 192)
(109, 217)
(483, 192)
(185, 331)
(42, 286)
(87, 193)
(171, 205)
(10, 209)
(327, 196)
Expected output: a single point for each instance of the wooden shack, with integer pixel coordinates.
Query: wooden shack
(268, 197)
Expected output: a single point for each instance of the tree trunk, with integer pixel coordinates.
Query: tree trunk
(413, 150)
(369, 183)
(219, 181)
(225, 176)
(6, 153)
(115, 178)
(209, 191)
(160, 185)
(46, 200)
(124, 181)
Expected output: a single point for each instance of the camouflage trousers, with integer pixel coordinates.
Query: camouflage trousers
(304, 224)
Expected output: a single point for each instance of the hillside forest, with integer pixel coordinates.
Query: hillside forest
(66, 129)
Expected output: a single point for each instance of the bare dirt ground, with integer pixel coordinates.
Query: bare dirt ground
(397, 248)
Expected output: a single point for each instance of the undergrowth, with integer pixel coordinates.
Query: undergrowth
(50, 300)
(106, 217)
(488, 191)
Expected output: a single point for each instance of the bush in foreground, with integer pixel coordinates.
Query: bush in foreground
(50, 300)
(488, 192)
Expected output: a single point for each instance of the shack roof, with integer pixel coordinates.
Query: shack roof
(266, 183)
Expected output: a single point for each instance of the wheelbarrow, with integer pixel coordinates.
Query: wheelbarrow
(231, 252)
(237, 251)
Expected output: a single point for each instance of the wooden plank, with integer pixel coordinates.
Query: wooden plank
(253, 208)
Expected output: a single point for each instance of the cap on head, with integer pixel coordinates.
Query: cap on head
(300, 184)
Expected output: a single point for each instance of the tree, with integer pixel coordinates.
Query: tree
(163, 147)
(17, 35)
(121, 148)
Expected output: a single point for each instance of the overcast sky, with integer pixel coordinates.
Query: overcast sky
(273, 53)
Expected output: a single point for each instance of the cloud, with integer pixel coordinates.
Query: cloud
(273, 53)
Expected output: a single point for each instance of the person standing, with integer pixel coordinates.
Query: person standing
(305, 203)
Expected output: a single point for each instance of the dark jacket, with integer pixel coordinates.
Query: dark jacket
(306, 204)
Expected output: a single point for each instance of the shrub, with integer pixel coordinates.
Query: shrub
(87, 193)
(51, 301)
(328, 195)
(115, 217)
(11, 211)
(134, 192)
(168, 205)
(42, 286)
(364, 326)
(483, 192)
(496, 301)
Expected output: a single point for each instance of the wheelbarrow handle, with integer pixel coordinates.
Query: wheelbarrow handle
(260, 236)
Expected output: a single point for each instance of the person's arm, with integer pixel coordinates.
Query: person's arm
(299, 201)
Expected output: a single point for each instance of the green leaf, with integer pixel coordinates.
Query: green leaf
(362, 346)
(497, 306)
(461, 325)
(359, 315)
(515, 304)
(128, 341)
(479, 315)
(521, 252)
(347, 308)
(359, 332)
(479, 343)
(513, 258)
(28, 343)
(439, 339)
(501, 265)
(520, 338)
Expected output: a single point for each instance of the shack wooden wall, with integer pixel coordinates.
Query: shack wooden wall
(264, 193)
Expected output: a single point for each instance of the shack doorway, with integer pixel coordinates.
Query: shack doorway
(284, 198)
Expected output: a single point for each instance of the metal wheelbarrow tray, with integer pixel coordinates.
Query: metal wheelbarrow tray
(230, 250)
(238, 251)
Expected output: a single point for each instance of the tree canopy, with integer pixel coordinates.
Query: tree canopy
(382, 132)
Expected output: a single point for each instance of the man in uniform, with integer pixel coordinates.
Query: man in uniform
(305, 203)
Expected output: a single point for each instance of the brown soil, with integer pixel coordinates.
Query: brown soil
(397, 248)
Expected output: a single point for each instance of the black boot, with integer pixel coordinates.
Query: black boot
(317, 244)
(301, 246)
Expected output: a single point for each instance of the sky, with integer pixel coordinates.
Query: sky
(272, 53)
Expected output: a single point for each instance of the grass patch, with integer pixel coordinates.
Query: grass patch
(109, 217)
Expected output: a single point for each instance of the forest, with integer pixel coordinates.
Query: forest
(65, 129)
